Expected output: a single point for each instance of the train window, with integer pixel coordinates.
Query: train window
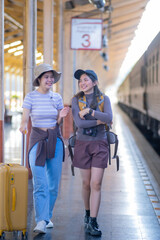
(153, 68)
(129, 98)
(157, 63)
(149, 80)
(143, 76)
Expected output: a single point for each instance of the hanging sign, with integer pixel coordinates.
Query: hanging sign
(86, 34)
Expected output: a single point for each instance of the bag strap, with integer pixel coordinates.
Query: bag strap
(116, 148)
(83, 103)
(109, 151)
(71, 155)
(115, 151)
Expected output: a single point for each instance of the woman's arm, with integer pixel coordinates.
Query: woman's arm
(82, 123)
(105, 116)
(24, 122)
(62, 113)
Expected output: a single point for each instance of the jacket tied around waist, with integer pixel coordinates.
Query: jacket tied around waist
(46, 144)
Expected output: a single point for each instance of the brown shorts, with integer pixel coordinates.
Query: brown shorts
(89, 154)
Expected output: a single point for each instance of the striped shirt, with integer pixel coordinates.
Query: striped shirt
(43, 108)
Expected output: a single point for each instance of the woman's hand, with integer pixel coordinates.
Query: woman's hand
(64, 112)
(24, 122)
(83, 112)
(23, 128)
(99, 122)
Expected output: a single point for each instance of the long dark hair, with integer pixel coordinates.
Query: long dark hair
(96, 93)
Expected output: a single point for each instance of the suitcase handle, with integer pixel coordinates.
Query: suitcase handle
(24, 149)
(13, 199)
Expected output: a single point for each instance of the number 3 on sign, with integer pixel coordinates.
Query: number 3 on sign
(86, 40)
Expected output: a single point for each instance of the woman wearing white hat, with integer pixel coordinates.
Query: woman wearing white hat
(46, 148)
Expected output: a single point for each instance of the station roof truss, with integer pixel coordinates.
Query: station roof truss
(120, 20)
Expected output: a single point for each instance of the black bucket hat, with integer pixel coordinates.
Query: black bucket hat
(90, 73)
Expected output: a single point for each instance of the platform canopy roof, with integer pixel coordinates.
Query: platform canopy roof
(120, 20)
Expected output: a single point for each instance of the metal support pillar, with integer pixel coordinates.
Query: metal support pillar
(2, 81)
(29, 59)
(74, 69)
(30, 36)
(48, 31)
(61, 30)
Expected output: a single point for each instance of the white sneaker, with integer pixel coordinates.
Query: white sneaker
(50, 224)
(41, 227)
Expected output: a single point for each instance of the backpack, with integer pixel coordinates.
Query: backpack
(111, 136)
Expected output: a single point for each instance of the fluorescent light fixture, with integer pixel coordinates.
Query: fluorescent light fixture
(6, 46)
(20, 47)
(98, 3)
(18, 53)
(38, 54)
(12, 50)
(15, 43)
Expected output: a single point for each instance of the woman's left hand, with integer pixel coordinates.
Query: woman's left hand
(83, 112)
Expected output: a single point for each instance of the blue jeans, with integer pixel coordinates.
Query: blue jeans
(46, 182)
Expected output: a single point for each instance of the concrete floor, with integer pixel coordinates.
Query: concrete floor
(130, 207)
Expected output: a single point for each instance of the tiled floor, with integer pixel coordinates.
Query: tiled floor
(127, 210)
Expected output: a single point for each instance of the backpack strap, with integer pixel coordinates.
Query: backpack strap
(82, 102)
(71, 155)
(113, 139)
(71, 144)
(109, 152)
(100, 100)
(116, 148)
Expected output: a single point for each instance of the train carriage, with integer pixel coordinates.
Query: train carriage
(142, 86)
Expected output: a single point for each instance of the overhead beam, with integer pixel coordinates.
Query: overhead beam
(12, 33)
(120, 4)
(128, 10)
(13, 21)
(126, 41)
(122, 38)
(126, 16)
(124, 30)
(124, 26)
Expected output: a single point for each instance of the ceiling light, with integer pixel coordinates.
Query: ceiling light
(38, 54)
(69, 5)
(20, 47)
(39, 61)
(98, 3)
(15, 43)
(104, 56)
(12, 50)
(108, 8)
(6, 46)
(106, 67)
(18, 53)
(104, 41)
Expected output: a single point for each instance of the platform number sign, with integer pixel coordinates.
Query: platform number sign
(86, 34)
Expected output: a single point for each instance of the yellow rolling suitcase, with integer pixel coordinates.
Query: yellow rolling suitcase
(13, 198)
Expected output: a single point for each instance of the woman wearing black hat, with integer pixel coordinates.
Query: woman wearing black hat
(91, 112)
(46, 149)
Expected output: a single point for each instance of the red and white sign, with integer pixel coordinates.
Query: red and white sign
(86, 34)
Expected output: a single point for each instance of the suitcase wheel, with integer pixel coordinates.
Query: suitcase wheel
(24, 234)
(2, 235)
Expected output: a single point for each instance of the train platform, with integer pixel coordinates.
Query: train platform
(130, 204)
